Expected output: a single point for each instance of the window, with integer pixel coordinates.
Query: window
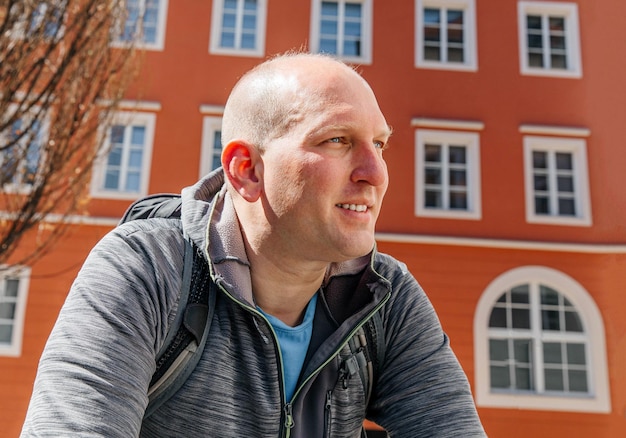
(539, 341)
(13, 292)
(145, 22)
(343, 28)
(448, 174)
(211, 155)
(557, 187)
(549, 39)
(123, 173)
(20, 161)
(238, 27)
(446, 34)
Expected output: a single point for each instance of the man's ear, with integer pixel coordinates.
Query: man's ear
(243, 167)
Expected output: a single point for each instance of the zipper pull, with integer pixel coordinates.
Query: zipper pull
(289, 423)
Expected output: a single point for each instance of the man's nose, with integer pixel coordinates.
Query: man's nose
(369, 165)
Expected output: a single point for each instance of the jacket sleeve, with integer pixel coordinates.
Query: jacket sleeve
(94, 372)
(421, 390)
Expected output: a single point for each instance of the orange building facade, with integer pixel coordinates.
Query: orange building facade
(506, 196)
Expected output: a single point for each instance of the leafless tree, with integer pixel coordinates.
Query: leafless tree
(61, 77)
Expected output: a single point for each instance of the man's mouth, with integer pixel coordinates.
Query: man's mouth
(354, 207)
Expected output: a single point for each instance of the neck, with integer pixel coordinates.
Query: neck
(282, 287)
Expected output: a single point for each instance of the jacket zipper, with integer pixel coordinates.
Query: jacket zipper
(288, 423)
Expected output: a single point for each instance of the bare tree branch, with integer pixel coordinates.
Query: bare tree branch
(60, 81)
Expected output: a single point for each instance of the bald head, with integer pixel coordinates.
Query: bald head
(277, 94)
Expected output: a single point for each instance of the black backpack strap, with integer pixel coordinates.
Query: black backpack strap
(188, 333)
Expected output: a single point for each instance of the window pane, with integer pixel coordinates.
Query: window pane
(535, 60)
(432, 199)
(455, 55)
(533, 22)
(458, 178)
(455, 17)
(137, 135)
(227, 39)
(458, 200)
(498, 350)
(573, 322)
(552, 353)
(353, 10)
(565, 184)
(6, 333)
(117, 134)
(329, 8)
(567, 207)
(329, 27)
(456, 154)
(250, 5)
(540, 182)
(576, 354)
(521, 318)
(500, 377)
(432, 153)
(229, 20)
(542, 205)
(557, 42)
(577, 380)
(135, 158)
(352, 48)
(249, 22)
(7, 310)
(563, 161)
(328, 45)
(522, 350)
(432, 176)
(519, 294)
(248, 41)
(352, 29)
(11, 287)
(549, 296)
(455, 36)
(132, 182)
(556, 24)
(432, 16)
(432, 54)
(498, 317)
(558, 62)
(540, 160)
(550, 320)
(553, 380)
(115, 157)
(522, 378)
(111, 179)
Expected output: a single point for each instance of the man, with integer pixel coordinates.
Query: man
(288, 232)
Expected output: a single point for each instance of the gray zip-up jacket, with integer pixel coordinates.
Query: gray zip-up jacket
(95, 370)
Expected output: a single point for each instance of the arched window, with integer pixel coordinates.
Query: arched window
(539, 341)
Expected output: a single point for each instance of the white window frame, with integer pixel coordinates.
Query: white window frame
(578, 149)
(366, 30)
(470, 54)
(125, 118)
(42, 136)
(598, 399)
(569, 11)
(471, 141)
(216, 30)
(159, 43)
(22, 273)
(210, 125)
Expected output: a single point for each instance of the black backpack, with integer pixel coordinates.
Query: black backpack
(189, 330)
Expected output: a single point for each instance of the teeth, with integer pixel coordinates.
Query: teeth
(353, 207)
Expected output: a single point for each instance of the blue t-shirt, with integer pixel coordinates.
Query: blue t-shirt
(293, 343)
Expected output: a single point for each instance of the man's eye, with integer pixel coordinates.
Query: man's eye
(380, 145)
(335, 140)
